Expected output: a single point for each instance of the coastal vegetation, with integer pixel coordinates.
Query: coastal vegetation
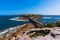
(26, 17)
(41, 33)
(32, 15)
(56, 24)
(48, 25)
(42, 26)
(51, 25)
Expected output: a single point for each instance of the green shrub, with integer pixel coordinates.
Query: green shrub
(41, 33)
(42, 26)
(51, 25)
(58, 23)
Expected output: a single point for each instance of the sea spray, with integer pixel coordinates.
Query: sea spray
(10, 30)
(17, 19)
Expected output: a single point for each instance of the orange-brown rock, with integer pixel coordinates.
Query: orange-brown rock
(1, 38)
(27, 27)
(16, 35)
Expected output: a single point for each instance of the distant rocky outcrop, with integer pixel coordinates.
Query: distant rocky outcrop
(34, 16)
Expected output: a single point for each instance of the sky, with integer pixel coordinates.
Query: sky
(18, 7)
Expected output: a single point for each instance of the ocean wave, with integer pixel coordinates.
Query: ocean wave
(17, 19)
(10, 30)
(47, 17)
(51, 18)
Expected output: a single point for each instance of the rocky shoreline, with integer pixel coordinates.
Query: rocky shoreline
(10, 30)
(17, 33)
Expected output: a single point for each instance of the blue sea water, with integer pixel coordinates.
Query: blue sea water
(49, 18)
(5, 23)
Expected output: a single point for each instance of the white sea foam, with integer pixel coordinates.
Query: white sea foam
(51, 18)
(17, 19)
(7, 31)
(47, 17)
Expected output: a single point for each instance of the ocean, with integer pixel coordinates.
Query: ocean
(49, 18)
(5, 23)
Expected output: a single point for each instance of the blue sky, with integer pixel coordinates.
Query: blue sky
(16, 7)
